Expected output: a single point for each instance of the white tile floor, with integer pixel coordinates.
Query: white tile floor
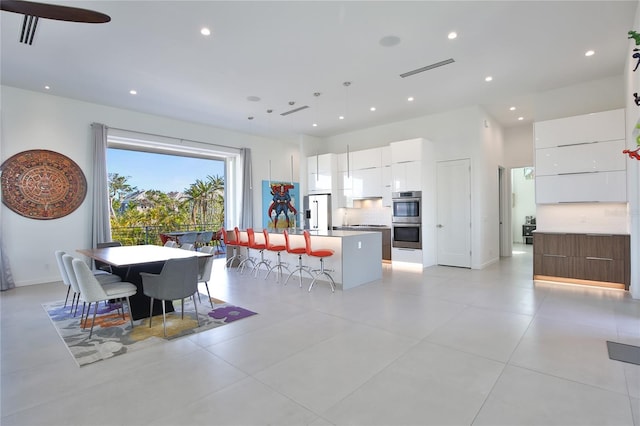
(445, 346)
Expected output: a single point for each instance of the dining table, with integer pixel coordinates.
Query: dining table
(132, 260)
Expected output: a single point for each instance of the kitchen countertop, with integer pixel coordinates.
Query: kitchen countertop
(359, 227)
(328, 233)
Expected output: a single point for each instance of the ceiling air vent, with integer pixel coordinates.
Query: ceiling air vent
(294, 110)
(427, 68)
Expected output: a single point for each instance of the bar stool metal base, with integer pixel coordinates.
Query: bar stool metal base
(263, 261)
(279, 266)
(236, 256)
(324, 272)
(249, 259)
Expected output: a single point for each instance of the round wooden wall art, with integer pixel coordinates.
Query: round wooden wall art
(42, 184)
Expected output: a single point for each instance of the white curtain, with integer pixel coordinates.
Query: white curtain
(101, 231)
(246, 210)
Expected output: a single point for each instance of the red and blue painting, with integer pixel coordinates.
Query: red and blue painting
(280, 204)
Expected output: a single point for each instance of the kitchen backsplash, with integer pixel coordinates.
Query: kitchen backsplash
(365, 212)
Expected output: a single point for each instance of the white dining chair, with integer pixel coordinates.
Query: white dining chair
(91, 291)
(64, 276)
(101, 276)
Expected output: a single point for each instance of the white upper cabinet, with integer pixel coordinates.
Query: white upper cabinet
(406, 176)
(406, 165)
(603, 187)
(344, 193)
(321, 172)
(596, 127)
(367, 159)
(594, 157)
(387, 185)
(579, 159)
(344, 161)
(367, 183)
(409, 150)
(387, 181)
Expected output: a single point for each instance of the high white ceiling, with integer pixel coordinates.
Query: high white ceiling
(283, 52)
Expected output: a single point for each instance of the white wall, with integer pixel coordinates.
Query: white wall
(33, 120)
(486, 228)
(518, 146)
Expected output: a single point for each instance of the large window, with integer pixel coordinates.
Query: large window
(156, 188)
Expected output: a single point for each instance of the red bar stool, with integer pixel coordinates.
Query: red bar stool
(261, 247)
(278, 248)
(233, 244)
(244, 243)
(299, 251)
(321, 253)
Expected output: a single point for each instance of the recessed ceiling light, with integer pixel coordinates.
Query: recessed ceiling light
(410, 98)
(372, 109)
(520, 118)
(250, 118)
(512, 109)
(133, 92)
(589, 53)
(47, 87)
(488, 78)
(315, 124)
(341, 117)
(253, 98)
(205, 31)
(452, 35)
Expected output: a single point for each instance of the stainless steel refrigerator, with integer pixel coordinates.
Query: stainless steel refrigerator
(317, 212)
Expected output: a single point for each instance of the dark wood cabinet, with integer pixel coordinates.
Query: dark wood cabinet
(596, 259)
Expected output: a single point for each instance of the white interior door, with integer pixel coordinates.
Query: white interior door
(454, 213)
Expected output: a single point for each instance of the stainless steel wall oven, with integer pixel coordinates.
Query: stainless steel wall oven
(406, 222)
(407, 207)
(406, 235)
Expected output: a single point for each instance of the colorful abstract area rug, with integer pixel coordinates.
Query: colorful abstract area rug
(112, 335)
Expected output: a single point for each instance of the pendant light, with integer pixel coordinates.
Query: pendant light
(315, 120)
(346, 85)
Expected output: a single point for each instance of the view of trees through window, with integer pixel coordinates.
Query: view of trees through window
(151, 194)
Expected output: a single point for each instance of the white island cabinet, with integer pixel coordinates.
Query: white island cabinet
(357, 257)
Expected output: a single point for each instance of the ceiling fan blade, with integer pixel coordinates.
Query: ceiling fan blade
(53, 11)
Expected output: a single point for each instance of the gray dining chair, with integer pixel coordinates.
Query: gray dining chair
(204, 238)
(177, 280)
(187, 238)
(171, 244)
(105, 266)
(91, 291)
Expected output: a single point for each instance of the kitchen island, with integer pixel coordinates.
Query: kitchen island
(356, 260)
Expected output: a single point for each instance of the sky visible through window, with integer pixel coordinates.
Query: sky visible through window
(166, 173)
